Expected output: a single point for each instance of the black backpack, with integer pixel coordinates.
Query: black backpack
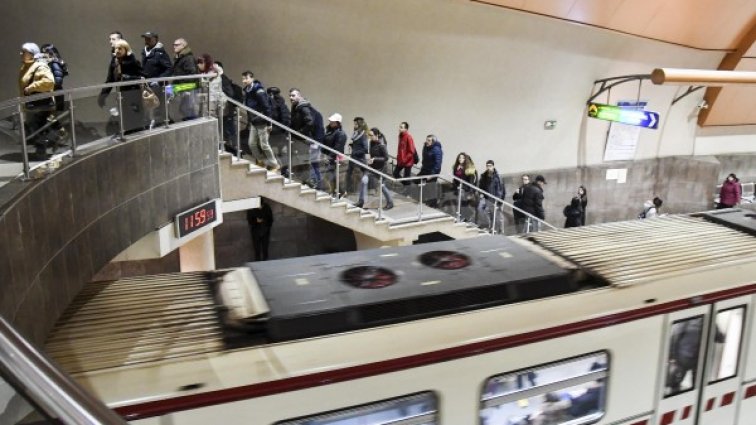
(318, 128)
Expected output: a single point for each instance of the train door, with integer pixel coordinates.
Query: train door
(724, 362)
(683, 352)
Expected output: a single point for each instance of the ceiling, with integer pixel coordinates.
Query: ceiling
(728, 26)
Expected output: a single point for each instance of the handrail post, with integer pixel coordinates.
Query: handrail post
(167, 120)
(420, 201)
(122, 135)
(459, 204)
(24, 150)
(290, 169)
(238, 134)
(73, 125)
(337, 177)
(493, 214)
(219, 113)
(380, 196)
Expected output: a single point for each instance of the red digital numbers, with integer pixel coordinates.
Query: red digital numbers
(196, 218)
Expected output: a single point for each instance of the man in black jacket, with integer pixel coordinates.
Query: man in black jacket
(185, 64)
(532, 202)
(156, 63)
(257, 99)
(335, 138)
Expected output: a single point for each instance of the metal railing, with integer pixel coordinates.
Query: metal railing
(44, 386)
(64, 116)
(421, 180)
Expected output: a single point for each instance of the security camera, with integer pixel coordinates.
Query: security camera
(703, 104)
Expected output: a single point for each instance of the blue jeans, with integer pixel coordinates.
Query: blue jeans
(315, 175)
(367, 179)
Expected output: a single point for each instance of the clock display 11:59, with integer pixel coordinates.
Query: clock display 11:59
(196, 218)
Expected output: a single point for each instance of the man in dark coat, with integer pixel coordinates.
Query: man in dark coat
(185, 64)
(520, 218)
(490, 182)
(260, 222)
(256, 98)
(156, 63)
(532, 202)
(335, 138)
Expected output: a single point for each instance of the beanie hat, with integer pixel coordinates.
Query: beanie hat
(31, 48)
(490, 161)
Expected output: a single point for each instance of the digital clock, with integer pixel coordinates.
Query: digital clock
(196, 218)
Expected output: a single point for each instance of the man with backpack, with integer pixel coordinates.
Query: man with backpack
(306, 120)
(257, 99)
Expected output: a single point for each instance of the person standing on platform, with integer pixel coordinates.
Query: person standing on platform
(730, 193)
(573, 213)
(582, 194)
(260, 222)
(532, 203)
(519, 217)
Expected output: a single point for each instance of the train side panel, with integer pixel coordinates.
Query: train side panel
(633, 349)
(747, 393)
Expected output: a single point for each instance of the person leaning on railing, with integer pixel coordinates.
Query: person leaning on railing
(35, 77)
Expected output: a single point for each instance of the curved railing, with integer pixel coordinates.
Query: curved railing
(86, 114)
(298, 142)
(40, 387)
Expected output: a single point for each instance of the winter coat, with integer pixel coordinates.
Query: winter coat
(379, 155)
(359, 144)
(730, 193)
(573, 213)
(433, 156)
(649, 210)
(40, 73)
(280, 112)
(491, 183)
(256, 98)
(532, 200)
(58, 73)
(335, 138)
(129, 70)
(185, 64)
(302, 120)
(156, 63)
(517, 198)
(468, 174)
(405, 153)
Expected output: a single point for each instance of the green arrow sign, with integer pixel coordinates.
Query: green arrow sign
(645, 119)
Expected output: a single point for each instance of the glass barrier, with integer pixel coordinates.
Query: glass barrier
(15, 409)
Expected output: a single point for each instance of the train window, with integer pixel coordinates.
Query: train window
(682, 358)
(416, 409)
(571, 391)
(725, 348)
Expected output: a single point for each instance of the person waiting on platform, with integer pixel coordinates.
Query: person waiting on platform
(730, 193)
(651, 208)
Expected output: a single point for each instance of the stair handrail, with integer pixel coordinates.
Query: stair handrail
(390, 178)
(35, 376)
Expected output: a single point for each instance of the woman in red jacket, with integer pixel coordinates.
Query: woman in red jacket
(729, 194)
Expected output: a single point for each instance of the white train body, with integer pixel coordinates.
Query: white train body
(664, 275)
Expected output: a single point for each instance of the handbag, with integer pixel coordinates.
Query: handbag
(149, 99)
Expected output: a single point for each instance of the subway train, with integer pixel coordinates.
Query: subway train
(645, 322)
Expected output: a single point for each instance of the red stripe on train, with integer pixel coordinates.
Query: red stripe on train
(727, 399)
(640, 423)
(710, 404)
(210, 398)
(667, 418)
(686, 413)
(750, 392)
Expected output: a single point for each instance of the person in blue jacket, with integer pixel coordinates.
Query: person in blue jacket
(433, 156)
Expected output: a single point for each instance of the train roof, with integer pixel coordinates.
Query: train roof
(632, 252)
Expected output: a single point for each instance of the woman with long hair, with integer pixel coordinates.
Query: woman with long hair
(464, 169)
(205, 64)
(582, 195)
(125, 67)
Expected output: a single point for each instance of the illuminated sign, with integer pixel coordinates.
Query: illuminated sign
(196, 218)
(630, 116)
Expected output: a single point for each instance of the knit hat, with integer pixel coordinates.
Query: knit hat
(31, 48)
(335, 117)
(490, 161)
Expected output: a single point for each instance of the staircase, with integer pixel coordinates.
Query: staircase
(401, 225)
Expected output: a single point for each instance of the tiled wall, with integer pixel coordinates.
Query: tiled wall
(61, 230)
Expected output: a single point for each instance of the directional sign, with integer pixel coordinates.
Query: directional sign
(633, 116)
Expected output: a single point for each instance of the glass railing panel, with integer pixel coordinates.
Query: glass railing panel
(15, 409)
